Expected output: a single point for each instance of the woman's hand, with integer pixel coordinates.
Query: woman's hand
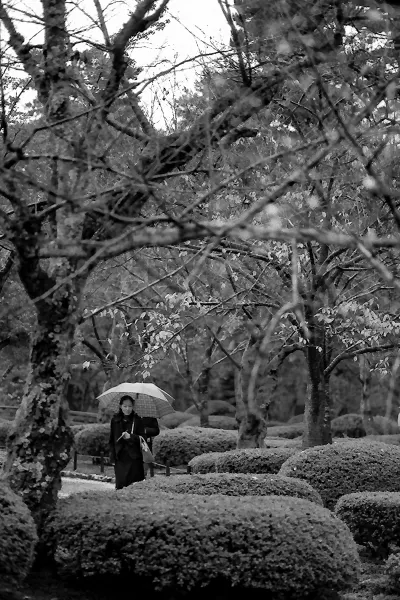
(126, 435)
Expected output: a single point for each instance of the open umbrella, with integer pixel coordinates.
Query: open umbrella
(150, 400)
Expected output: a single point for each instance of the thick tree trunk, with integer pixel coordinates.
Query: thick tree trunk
(252, 431)
(41, 440)
(317, 427)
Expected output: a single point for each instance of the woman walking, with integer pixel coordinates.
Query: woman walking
(125, 451)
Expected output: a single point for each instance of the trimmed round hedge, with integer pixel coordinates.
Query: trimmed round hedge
(214, 407)
(174, 419)
(214, 421)
(346, 467)
(251, 460)
(18, 537)
(93, 439)
(180, 445)
(233, 484)
(373, 518)
(285, 548)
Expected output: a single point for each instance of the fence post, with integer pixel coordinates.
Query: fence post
(167, 468)
(75, 460)
(189, 470)
(151, 469)
(101, 462)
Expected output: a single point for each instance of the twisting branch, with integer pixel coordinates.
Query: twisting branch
(138, 22)
(345, 355)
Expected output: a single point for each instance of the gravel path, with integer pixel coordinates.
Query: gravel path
(72, 486)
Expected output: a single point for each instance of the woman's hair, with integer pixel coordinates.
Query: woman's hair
(127, 398)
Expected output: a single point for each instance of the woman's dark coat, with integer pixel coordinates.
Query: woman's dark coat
(126, 454)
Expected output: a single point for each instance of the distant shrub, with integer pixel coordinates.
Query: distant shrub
(373, 518)
(346, 467)
(79, 427)
(296, 419)
(273, 423)
(234, 484)
(214, 421)
(93, 440)
(174, 419)
(18, 537)
(5, 428)
(252, 460)
(352, 425)
(214, 407)
(385, 426)
(180, 445)
(286, 431)
(184, 543)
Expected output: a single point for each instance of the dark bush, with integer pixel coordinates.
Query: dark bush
(5, 428)
(253, 460)
(214, 421)
(180, 445)
(288, 548)
(17, 537)
(215, 407)
(93, 440)
(346, 467)
(174, 419)
(373, 518)
(286, 431)
(233, 484)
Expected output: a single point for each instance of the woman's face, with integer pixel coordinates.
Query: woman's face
(127, 407)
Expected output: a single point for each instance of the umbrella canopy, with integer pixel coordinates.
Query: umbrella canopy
(150, 400)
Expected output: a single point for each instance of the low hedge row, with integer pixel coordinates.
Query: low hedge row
(93, 439)
(373, 518)
(174, 419)
(233, 484)
(18, 537)
(286, 548)
(214, 421)
(252, 460)
(346, 467)
(180, 445)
